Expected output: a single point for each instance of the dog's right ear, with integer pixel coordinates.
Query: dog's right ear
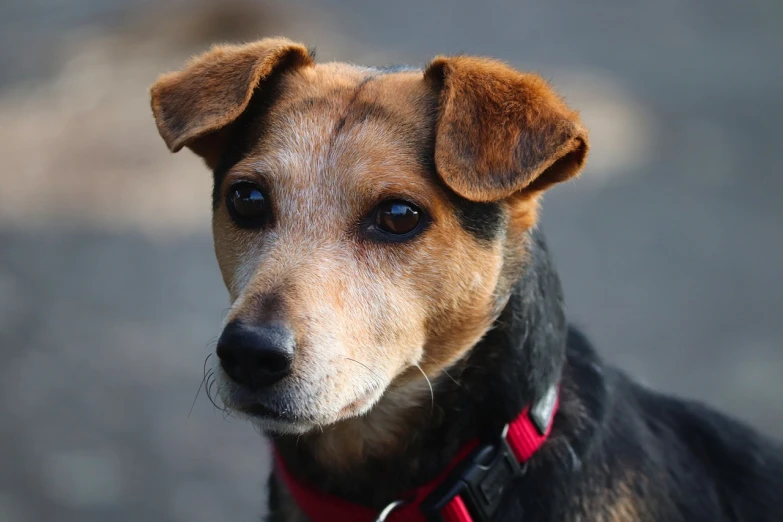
(193, 106)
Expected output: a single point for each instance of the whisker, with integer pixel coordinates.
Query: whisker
(432, 393)
(196, 397)
(203, 379)
(225, 314)
(380, 379)
(452, 378)
(211, 381)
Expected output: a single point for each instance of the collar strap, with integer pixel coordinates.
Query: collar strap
(468, 490)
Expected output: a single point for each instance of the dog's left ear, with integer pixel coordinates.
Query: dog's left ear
(500, 131)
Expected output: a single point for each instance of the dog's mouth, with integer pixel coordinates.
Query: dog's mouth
(261, 411)
(282, 417)
(270, 419)
(245, 402)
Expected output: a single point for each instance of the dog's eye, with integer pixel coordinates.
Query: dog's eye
(397, 217)
(247, 205)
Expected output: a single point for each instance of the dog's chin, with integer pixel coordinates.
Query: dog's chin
(269, 420)
(277, 427)
(274, 424)
(291, 421)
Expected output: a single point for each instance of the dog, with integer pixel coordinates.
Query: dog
(397, 325)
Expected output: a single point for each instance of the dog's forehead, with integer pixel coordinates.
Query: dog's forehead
(334, 102)
(348, 131)
(340, 84)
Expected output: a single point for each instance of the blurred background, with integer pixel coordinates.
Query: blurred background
(670, 245)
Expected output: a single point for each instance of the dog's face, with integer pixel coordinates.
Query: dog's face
(367, 223)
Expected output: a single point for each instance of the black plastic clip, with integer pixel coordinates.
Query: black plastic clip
(480, 480)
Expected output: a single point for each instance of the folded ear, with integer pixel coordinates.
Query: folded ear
(500, 131)
(191, 106)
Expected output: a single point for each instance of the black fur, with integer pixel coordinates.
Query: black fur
(484, 221)
(618, 452)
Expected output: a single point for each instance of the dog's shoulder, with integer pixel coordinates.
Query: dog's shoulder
(684, 457)
(744, 467)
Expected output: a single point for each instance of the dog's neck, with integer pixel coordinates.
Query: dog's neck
(406, 439)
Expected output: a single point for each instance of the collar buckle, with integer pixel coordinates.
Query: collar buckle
(480, 481)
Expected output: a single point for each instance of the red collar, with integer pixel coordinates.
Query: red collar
(468, 490)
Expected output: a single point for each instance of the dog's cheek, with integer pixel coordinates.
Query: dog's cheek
(476, 272)
(388, 317)
(237, 252)
(226, 250)
(461, 291)
(402, 332)
(398, 308)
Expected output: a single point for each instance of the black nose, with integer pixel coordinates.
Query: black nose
(256, 355)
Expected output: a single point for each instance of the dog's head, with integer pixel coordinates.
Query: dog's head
(368, 223)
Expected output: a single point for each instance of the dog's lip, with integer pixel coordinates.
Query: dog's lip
(249, 405)
(256, 409)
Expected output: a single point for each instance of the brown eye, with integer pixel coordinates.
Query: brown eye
(397, 217)
(247, 205)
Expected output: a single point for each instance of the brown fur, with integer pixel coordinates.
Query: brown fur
(370, 318)
(500, 131)
(215, 88)
(619, 504)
